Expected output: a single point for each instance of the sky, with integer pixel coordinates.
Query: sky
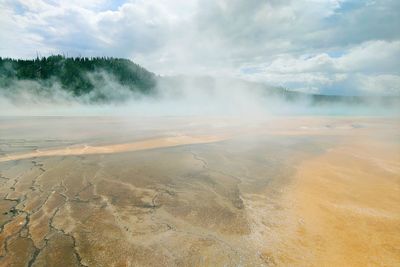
(347, 47)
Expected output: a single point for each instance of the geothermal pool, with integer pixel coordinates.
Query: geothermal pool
(199, 191)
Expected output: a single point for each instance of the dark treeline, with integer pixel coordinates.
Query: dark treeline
(73, 73)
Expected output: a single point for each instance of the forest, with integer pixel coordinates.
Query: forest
(74, 73)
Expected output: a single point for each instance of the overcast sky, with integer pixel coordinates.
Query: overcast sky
(327, 46)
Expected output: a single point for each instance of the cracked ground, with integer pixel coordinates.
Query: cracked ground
(217, 203)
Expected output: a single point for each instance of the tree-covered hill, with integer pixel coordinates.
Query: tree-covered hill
(78, 75)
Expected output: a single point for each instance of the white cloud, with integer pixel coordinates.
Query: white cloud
(373, 56)
(374, 64)
(299, 44)
(380, 84)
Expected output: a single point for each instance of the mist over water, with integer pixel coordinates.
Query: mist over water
(177, 96)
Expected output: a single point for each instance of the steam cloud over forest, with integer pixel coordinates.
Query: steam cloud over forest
(99, 84)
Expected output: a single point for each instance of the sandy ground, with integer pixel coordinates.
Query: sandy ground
(348, 203)
(297, 191)
(115, 148)
(342, 207)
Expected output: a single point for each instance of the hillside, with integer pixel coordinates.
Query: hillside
(79, 75)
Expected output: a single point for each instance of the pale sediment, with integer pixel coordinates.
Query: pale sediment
(296, 193)
(115, 148)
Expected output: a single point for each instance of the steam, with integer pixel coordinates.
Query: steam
(175, 96)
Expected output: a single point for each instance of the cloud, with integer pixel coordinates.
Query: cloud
(372, 57)
(360, 69)
(316, 45)
(381, 84)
